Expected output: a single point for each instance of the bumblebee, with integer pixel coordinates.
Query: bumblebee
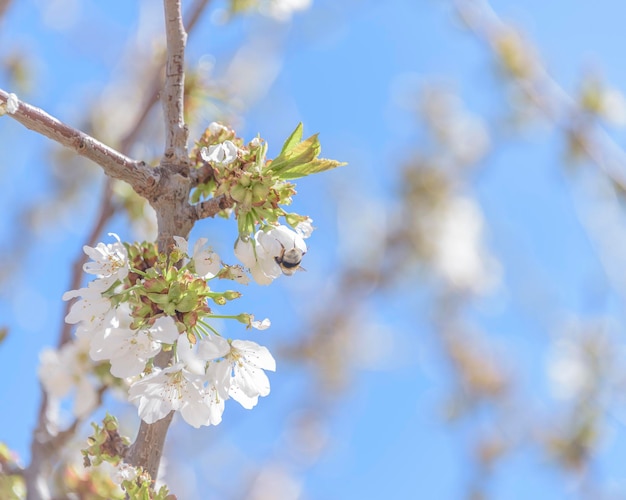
(289, 260)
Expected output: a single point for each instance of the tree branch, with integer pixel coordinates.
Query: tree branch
(546, 94)
(176, 154)
(210, 208)
(140, 176)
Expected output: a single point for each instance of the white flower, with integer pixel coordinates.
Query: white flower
(129, 350)
(109, 261)
(12, 104)
(68, 368)
(261, 325)
(237, 368)
(613, 106)
(91, 309)
(176, 388)
(305, 227)
(282, 10)
(216, 128)
(221, 154)
(262, 266)
(207, 262)
(123, 472)
(460, 255)
(255, 142)
(262, 254)
(181, 244)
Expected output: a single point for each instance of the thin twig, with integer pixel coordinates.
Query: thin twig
(193, 16)
(210, 208)
(140, 176)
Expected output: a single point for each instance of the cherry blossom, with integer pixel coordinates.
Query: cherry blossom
(129, 350)
(261, 254)
(66, 369)
(220, 154)
(237, 368)
(305, 227)
(261, 325)
(12, 104)
(216, 128)
(176, 388)
(207, 262)
(108, 260)
(91, 309)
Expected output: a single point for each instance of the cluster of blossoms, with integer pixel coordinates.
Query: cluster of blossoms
(140, 305)
(259, 188)
(143, 322)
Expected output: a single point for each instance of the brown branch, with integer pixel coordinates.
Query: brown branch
(45, 446)
(201, 174)
(4, 6)
(172, 207)
(210, 208)
(193, 16)
(141, 177)
(176, 155)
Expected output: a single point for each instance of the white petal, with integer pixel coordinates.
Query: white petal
(244, 251)
(181, 243)
(12, 104)
(213, 347)
(164, 330)
(252, 381)
(207, 262)
(219, 375)
(255, 354)
(305, 228)
(243, 399)
(261, 325)
(188, 355)
(86, 398)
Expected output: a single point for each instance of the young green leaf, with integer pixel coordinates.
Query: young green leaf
(303, 152)
(312, 167)
(293, 139)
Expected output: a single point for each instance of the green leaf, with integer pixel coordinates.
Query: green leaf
(293, 139)
(312, 167)
(303, 152)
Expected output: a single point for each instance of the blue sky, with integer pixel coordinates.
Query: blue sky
(340, 64)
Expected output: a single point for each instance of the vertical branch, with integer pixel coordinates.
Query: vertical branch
(173, 92)
(172, 207)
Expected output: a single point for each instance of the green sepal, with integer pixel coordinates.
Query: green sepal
(175, 292)
(158, 298)
(188, 302)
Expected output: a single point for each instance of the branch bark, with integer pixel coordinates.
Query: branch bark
(171, 206)
(140, 176)
(173, 91)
